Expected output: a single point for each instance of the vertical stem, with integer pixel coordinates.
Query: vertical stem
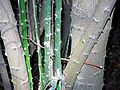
(25, 41)
(47, 40)
(37, 36)
(53, 35)
(58, 39)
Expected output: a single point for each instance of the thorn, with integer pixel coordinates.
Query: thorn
(14, 48)
(80, 78)
(58, 30)
(29, 70)
(95, 42)
(28, 58)
(78, 28)
(97, 73)
(21, 36)
(47, 44)
(94, 52)
(96, 20)
(5, 53)
(60, 9)
(25, 81)
(25, 49)
(83, 41)
(78, 72)
(92, 37)
(28, 45)
(15, 68)
(3, 37)
(64, 59)
(47, 75)
(77, 62)
(106, 10)
(83, 17)
(60, 42)
(55, 49)
(13, 81)
(101, 31)
(21, 24)
(22, 11)
(85, 54)
(67, 86)
(48, 53)
(96, 66)
(90, 85)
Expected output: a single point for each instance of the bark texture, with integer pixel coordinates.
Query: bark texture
(4, 73)
(89, 18)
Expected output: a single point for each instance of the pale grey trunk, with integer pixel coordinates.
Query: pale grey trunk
(88, 44)
(4, 73)
(91, 73)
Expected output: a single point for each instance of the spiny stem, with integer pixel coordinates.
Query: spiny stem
(53, 46)
(47, 41)
(58, 40)
(37, 36)
(25, 42)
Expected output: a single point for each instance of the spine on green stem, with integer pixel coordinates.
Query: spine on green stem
(24, 40)
(47, 40)
(37, 37)
(58, 40)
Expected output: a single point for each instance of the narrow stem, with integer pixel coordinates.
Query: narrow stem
(58, 40)
(25, 41)
(37, 37)
(47, 40)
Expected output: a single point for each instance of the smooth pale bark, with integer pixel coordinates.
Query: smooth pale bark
(88, 39)
(4, 73)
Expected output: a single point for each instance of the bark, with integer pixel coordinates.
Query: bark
(89, 38)
(4, 73)
(91, 73)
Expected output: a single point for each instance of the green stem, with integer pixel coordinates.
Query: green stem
(25, 41)
(58, 40)
(47, 40)
(37, 36)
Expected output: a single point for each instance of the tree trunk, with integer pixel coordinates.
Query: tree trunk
(89, 38)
